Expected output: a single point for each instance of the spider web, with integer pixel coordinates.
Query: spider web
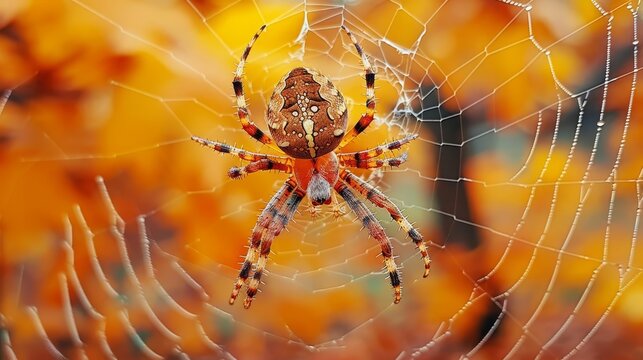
(525, 180)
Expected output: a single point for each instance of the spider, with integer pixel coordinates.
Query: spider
(307, 117)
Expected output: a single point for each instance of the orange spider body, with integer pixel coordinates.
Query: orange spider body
(325, 167)
(307, 118)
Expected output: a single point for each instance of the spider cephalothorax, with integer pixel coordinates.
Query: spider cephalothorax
(307, 117)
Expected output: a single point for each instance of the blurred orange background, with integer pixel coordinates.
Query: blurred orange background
(121, 238)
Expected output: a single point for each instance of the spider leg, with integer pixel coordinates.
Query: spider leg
(373, 163)
(242, 154)
(242, 110)
(258, 161)
(376, 231)
(279, 222)
(259, 165)
(377, 151)
(366, 118)
(265, 219)
(379, 199)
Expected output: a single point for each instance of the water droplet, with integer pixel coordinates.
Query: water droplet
(600, 123)
(635, 42)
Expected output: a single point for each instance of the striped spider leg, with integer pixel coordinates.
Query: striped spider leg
(257, 161)
(380, 200)
(277, 219)
(375, 229)
(259, 246)
(242, 109)
(368, 117)
(366, 159)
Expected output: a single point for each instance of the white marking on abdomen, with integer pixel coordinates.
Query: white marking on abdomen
(309, 126)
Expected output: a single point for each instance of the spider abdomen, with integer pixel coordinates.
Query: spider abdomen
(307, 115)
